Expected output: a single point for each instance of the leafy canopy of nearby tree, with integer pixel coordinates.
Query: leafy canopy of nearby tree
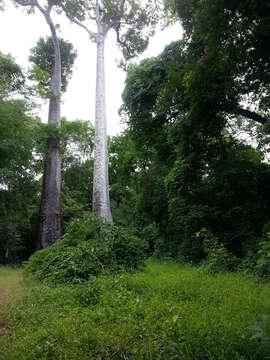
(42, 55)
(18, 170)
(177, 107)
(11, 77)
(132, 21)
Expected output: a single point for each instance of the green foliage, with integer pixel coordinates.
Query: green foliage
(77, 140)
(22, 148)
(166, 312)
(248, 263)
(133, 22)
(43, 81)
(18, 168)
(43, 57)
(89, 247)
(207, 178)
(260, 332)
(262, 266)
(11, 76)
(218, 257)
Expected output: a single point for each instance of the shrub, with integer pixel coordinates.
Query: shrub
(89, 247)
(218, 257)
(262, 266)
(248, 263)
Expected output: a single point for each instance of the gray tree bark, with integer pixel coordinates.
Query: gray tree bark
(101, 197)
(50, 226)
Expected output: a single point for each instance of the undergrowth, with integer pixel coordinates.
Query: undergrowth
(166, 312)
(89, 247)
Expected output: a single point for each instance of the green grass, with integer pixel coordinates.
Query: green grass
(166, 312)
(10, 293)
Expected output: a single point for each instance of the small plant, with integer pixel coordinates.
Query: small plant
(259, 332)
(260, 335)
(218, 257)
(248, 263)
(262, 266)
(89, 247)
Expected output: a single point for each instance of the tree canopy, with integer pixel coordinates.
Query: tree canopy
(42, 55)
(192, 167)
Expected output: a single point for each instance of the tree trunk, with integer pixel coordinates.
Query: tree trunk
(50, 226)
(101, 198)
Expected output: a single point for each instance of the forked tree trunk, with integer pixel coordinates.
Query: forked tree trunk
(50, 226)
(101, 198)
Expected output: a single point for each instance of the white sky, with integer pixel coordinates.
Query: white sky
(20, 32)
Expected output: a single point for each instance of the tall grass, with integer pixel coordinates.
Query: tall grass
(166, 312)
(10, 293)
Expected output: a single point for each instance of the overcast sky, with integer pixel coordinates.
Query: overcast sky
(20, 32)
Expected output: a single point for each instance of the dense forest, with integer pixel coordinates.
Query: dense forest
(190, 173)
(155, 243)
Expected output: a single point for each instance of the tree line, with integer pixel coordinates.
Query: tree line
(182, 173)
(124, 17)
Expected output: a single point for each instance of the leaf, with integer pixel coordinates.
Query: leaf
(255, 328)
(264, 320)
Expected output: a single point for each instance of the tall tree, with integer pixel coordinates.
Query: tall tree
(18, 175)
(129, 19)
(50, 216)
(220, 68)
(192, 179)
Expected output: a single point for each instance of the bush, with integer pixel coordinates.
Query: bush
(218, 257)
(257, 261)
(262, 267)
(248, 263)
(89, 247)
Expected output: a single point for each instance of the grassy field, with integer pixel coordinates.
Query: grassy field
(167, 311)
(11, 291)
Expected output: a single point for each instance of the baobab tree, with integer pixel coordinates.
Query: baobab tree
(133, 24)
(50, 215)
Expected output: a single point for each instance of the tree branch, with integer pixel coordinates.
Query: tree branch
(91, 17)
(122, 43)
(26, 3)
(49, 8)
(34, 3)
(251, 115)
(122, 5)
(117, 20)
(46, 13)
(110, 25)
(91, 34)
(97, 13)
